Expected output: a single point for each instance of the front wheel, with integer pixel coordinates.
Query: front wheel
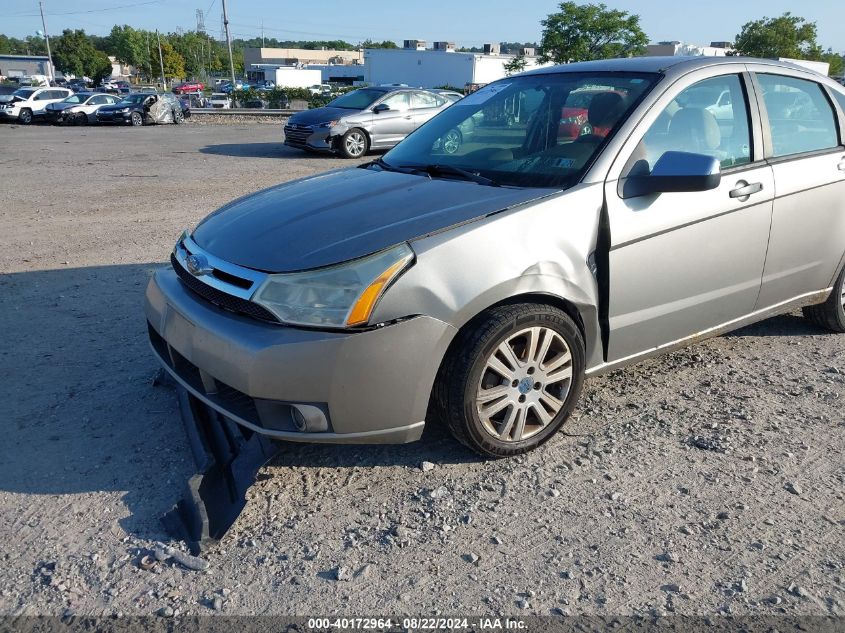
(512, 380)
(25, 116)
(136, 119)
(830, 314)
(178, 117)
(354, 144)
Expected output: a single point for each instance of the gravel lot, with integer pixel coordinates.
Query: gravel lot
(707, 481)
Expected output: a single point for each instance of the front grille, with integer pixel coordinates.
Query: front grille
(220, 298)
(296, 136)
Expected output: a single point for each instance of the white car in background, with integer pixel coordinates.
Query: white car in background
(24, 104)
(220, 100)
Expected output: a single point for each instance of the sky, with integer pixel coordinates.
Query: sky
(468, 23)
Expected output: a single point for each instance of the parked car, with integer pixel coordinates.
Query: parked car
(365, 119)
(26, 104)
(78, 109)
(143, 108)
(482, 287)
(227, 87)
(451, 95)
(255, 104)
(78, 85)
(220, 100)
(185, 103)
(188, 87)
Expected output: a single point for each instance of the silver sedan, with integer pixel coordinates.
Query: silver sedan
(480, 284)
(78, 109)
(370, 118)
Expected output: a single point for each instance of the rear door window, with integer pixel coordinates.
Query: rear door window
(421, 100)
(397, 102)
(801, 118)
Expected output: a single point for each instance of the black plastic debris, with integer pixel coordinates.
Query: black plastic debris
(227, 457)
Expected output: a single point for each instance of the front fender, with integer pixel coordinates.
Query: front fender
(541, 249)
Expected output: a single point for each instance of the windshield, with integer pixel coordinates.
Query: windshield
(76, 99)
(518, 131)
(357, 100)
(23, 93)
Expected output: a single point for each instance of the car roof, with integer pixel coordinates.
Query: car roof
(657, 64)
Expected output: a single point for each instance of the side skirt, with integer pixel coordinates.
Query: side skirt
(811, 298)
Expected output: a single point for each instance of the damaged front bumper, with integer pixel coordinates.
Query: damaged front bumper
(241, 382)
(227, 457)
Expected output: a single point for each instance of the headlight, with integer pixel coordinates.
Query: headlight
(329, 123)
(124, 110)
(337, 296)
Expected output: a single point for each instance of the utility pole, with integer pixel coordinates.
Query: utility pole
(229, 44)
(50, 73)
(262, 33)
(161, 61)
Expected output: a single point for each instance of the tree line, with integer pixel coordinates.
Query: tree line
(576, 32)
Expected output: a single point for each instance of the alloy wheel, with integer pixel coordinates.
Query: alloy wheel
(524, 384)
(355, 144)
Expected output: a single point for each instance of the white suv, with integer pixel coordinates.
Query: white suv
(26, 103)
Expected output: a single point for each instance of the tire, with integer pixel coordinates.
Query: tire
(25, 116)
(178, 117)
(137, 119)
(80, 118)
(830, 315)
(354, 144)
(512, 412)
(452, 141)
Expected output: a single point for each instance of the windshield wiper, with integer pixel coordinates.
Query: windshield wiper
(438, 169)
(388, 167)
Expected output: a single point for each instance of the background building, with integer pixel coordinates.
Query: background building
(441, 66)
(680, 49)
(297, 56)
(24, 65)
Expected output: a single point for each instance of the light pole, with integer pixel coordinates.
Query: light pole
(229, 44)
(50, 73)
(161, 61)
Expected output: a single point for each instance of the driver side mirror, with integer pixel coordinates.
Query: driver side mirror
(382, 107)
(676, 172)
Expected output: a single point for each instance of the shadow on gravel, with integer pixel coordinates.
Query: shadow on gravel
(260, 150)
(80, 413)
(784, 325)
(275, 150)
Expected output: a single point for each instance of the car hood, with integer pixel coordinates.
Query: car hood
(344, 215)
(117, 106)
(321, 115)
(9, 98)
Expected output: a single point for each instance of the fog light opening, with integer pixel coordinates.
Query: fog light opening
(309, 419)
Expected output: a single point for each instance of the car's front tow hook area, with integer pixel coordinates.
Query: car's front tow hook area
(227, 457)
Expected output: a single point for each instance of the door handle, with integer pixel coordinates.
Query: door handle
(841, 166)
(745, 190)
(409, 118)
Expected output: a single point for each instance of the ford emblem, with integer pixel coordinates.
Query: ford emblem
(197, 265)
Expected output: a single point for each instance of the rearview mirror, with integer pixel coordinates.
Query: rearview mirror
(674, 172)
(382, 107)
